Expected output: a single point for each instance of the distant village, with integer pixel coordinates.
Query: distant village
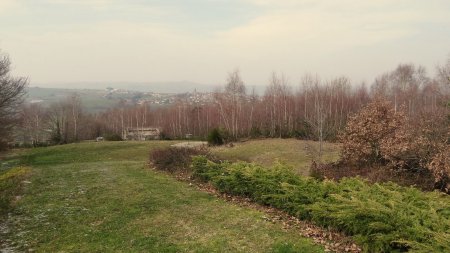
(101, 100)
(155, 98)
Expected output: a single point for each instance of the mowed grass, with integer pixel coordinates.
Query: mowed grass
(296, 153)
(101, 197)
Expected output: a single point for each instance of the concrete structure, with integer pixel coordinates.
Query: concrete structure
(142, 134)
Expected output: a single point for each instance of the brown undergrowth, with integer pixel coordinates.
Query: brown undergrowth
(422, 179)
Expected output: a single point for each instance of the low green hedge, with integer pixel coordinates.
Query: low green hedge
(380, 217)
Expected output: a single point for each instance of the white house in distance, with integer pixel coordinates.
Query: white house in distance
(142, 133)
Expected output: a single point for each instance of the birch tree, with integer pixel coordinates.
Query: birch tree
(230, 102)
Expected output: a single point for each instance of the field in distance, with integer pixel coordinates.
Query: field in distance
(296, 153)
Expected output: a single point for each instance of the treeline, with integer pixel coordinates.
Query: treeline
(61, 122)
(317, 109)
(312, 109)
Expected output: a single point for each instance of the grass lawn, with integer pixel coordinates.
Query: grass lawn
(296, 153)
(100, 197)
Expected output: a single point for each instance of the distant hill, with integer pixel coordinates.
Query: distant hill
(98, 96)
(92, 100)
(166, 87)
(100, 100)
(158, 87)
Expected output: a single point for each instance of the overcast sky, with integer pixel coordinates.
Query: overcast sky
(60, 41)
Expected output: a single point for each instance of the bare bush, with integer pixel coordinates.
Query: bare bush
(174, 159)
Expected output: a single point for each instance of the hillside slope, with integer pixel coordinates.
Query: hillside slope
(100, 197)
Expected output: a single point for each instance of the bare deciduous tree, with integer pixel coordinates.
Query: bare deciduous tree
(444, 73)
(230, 102)
(12, 90)
(278, 98)
(75, 108)
(33, 124)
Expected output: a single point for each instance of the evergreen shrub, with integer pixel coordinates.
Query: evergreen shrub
(381, 217)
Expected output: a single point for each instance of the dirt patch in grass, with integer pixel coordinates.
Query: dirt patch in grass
(191, 144)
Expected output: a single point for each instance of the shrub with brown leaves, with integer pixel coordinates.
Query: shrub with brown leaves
(440, 166)
(365, 132)
(379, 135)
(413, 144)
